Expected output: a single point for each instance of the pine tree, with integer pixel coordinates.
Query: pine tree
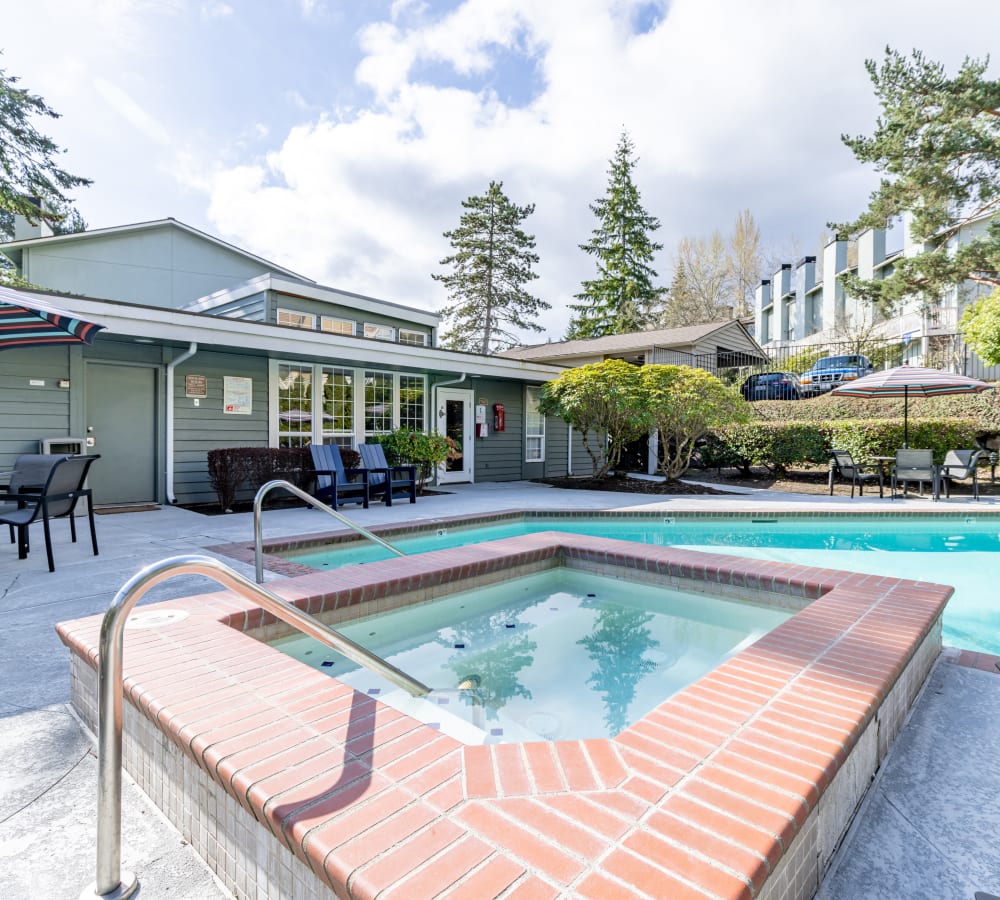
(491, 264)
(28, 170)
(622, 298)
(938, 143)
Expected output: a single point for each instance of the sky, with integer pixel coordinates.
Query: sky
(338, 138)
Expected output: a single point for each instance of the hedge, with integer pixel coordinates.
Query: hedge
(779, 445)
(230, 467)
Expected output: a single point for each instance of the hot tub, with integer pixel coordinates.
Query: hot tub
(291, 783)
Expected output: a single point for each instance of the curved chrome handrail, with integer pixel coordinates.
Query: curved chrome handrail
(258, 539)
(111, 881)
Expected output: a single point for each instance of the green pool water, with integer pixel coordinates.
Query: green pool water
(964, 553)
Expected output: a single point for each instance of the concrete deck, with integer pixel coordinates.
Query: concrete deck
(926, 829)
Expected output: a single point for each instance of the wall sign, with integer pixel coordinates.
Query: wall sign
(237, 395)
(196, 386)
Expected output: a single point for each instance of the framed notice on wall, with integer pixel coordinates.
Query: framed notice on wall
(196, 386)
(237, 395)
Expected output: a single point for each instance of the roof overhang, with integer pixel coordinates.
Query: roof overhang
(179, 326)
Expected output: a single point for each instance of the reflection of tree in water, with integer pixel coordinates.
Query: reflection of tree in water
(617, 645)
(496, 666)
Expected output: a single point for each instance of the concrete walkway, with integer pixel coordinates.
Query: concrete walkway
(935, 793)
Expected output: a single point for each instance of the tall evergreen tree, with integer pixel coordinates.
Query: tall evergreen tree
(490, 266)
(938, 143)
(28, 169)
(622, 297)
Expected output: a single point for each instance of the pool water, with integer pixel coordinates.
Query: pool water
(963, 553)
(556, 655)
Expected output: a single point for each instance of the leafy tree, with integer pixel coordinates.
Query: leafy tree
(604, 402)
(684, 405)
(491, 264)
(715, 277)
(622, 298)
(981, 325)
(28, 169)
(937, 142)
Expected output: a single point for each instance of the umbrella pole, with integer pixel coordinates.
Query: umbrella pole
(906, 417)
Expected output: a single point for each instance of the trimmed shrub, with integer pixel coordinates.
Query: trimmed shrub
(405, 447)
(775, 445)
(230, 467)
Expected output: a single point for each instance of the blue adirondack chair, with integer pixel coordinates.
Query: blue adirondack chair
(334, 484)
(384, 479)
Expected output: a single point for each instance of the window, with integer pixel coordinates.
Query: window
(333, 325)
(534, 427)
(296, 319)
(411, 402)
(380, 332)
(416, 338)
(294, 405)
(378, 402)
(338, 406)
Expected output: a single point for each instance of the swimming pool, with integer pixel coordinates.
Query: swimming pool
(962, 551)
(557, 655)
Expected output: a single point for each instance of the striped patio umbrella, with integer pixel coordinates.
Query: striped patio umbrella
(911, 381)
(26, 321)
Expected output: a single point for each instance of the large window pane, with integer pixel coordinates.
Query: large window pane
(338, 406)
(534, 427)
(378, 402)
(411, 402)
(294, 405)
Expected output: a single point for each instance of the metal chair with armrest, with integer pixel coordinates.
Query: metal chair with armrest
(914, 465)
(959, 465)
(56, 499)
(842, 465)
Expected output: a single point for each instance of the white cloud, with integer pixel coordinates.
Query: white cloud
(215, 9)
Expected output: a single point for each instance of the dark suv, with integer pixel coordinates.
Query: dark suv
(828, 373)
(771, 386)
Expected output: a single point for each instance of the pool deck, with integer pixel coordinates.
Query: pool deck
(926, 830)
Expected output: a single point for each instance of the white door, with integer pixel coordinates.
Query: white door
(454, 420)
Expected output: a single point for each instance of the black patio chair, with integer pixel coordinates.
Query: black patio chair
(333, 478)
(56, 499)
(843, 466)
(383, 479)
(30, 472)
(959, 465)
(914, 465)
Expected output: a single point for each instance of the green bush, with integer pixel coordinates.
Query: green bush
(775, 445)
(780, 445)
(405, 447)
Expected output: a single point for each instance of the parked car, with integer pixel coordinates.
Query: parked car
(827, 373)
(772, 386)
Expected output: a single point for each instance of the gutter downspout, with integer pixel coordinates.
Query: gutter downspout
(173, 364)
(569, 449)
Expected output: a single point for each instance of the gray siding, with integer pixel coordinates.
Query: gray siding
(252, 308)
(31, 412)
(163, 266)
(198, 429)
(499, 457)
(322, 308)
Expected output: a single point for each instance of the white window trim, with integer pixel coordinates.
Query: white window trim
(409, 332)
(341, 320)
(541, 458)
(295, 312)
(359, 397)
(375, 326)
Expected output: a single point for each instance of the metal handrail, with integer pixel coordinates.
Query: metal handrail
(258, 539)
(110, 879)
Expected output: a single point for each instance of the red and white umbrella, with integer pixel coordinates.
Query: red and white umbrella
(911, 381)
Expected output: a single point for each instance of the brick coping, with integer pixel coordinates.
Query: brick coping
(702, 797)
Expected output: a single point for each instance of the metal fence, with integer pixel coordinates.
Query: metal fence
(942, 351)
